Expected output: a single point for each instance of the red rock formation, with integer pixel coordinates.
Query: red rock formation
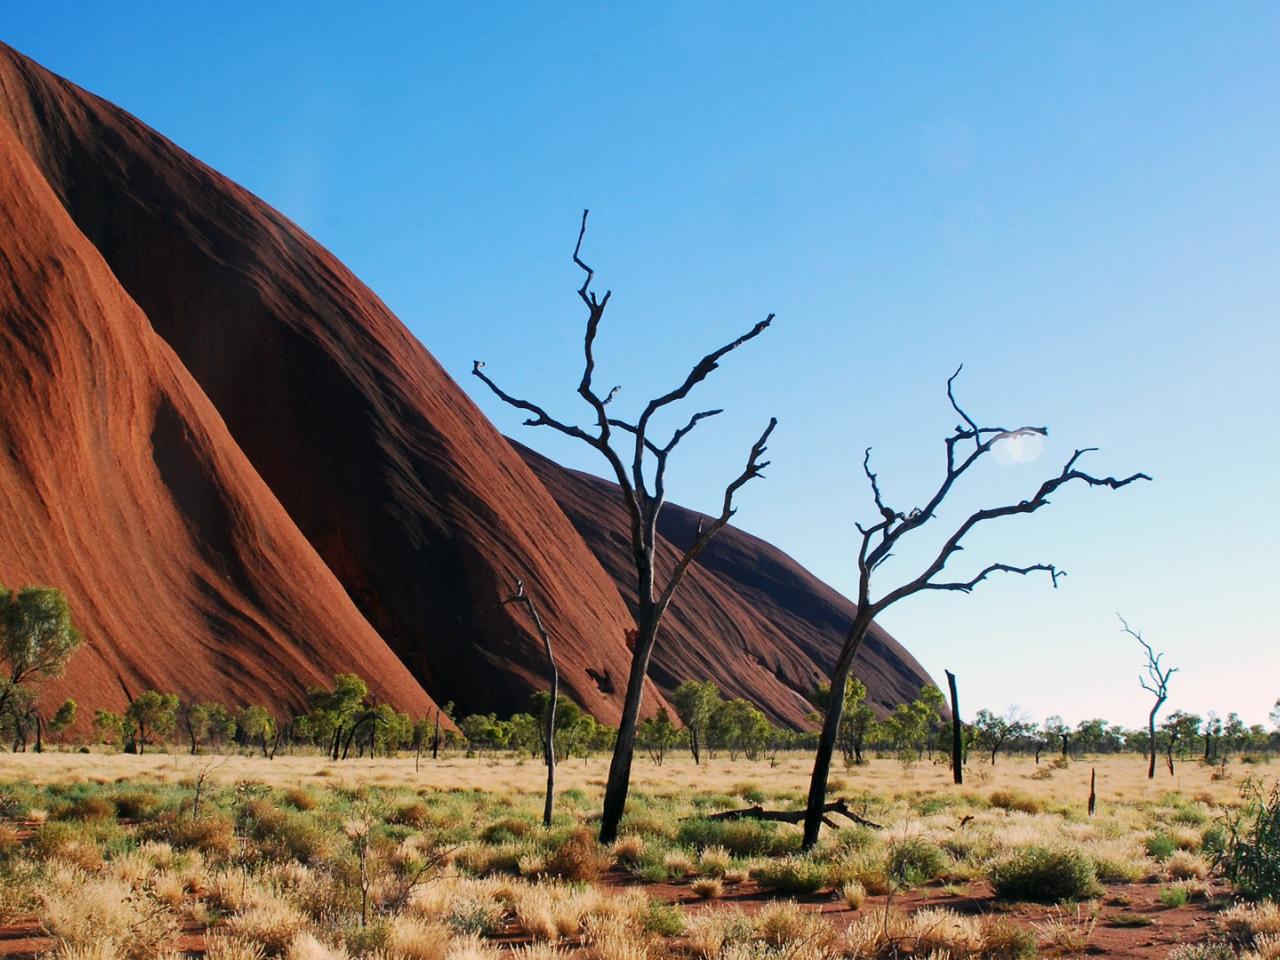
(219, 431)
(746, 615)
(120, 485)
(407, 492)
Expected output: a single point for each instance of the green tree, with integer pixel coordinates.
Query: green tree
(108, 726)
(37, 638)
(657, 734)
(256, 724)
(63, 717)
(993, 731)
(336, 715)
(739, 727)
(856, 721)
(695, 702)
(1179, 727)
(151, 717)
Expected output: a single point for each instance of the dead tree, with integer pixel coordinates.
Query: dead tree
(553, 678)
(639, 467)
(957, 752)
(1156, 683)
(880, 539)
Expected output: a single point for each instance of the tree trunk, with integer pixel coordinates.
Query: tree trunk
(1151, 731)
(435, 740)
(830, 731)
(957, 755)
(615, 791)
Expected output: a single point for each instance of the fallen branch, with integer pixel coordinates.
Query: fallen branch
(795, 816)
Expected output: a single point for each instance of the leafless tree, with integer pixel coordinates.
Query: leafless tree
(881, 538)
(519, 596)
(639, 465)
(1156, 683)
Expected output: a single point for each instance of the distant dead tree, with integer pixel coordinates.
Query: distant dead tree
(1156, 683)
(519, 596)
(640, 471)
(881, 538)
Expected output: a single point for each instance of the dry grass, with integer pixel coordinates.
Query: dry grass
(270, 863)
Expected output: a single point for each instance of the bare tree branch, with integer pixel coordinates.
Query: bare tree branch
(1054, 574)
(703, 536)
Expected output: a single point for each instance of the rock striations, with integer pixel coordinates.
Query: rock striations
(248, 475)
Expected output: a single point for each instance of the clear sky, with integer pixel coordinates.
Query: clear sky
(1079, 201)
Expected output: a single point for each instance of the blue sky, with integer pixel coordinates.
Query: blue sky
(1079, 202)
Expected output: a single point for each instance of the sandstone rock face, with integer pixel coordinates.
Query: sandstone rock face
(408, 494)
(248, 475)
(120, 484)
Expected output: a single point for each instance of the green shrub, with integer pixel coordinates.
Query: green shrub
(914, 860)
(1213, 840)
(662, 919)
(1174, 896)
(742, 838)
(1188, 815)
(1161, 846)
(1252, 856)
(1044, 874)
(792, 876)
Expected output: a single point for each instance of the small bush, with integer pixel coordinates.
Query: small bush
(1212, 950)
(708, 888)
(415, 815)
(1161, 846)
(506, 830)
(742, 838)
(629, 851)
(1015, 800)
(136, 805)
(914, 860)
(579, 858)
(1044, 874)
(477, 916)
(792, 876)
(715, 862)
(89, 808)
(300, 799)
(1002, 939)
(1174, 896)
(854, 894)
(662, 919)
(1252, 856)
(1186, 866)
(214, 835)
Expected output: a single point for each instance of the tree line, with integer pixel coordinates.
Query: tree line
(342, 720)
